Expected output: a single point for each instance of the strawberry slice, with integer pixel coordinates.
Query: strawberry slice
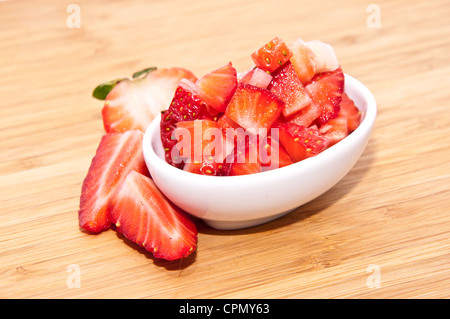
(133, 104)
(217, 87)
(145, 216)
(325, 89)
(272, 55)
(301, 142)
(117, 154)
(288, 87)
(186, 105)
(254, 108)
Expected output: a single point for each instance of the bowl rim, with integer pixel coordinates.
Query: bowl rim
(369, 115)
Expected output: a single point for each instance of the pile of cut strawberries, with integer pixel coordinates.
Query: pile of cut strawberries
(289, 106)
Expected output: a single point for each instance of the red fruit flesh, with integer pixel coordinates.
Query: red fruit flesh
(351, 112)
(145, 216)
(186, 106)
(288, 87)
(300, 142)
(117, 154)
(272, 55)
(254, 108)
(217, 87)
(326, 89)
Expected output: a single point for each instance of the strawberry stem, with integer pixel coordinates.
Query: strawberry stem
(143, 72)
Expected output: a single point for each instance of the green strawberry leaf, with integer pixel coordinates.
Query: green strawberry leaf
(102, 90)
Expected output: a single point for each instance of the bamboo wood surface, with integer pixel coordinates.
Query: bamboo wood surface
(381, 232)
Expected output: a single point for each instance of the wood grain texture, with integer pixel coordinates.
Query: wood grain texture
(391, 210)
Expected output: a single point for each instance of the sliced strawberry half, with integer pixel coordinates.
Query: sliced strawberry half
(217, 87)
(301, 142)
(288, 87)
(272, 55)
(186, 105)
(145, 216)
(117, 154)
(325, 89)
(254, 108)
(133, 104)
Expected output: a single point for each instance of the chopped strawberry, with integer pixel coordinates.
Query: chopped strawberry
(306, 116)
(335, 129)
(301, 142)
(326, 89)
(203, 147)
(254, 108)
(145, 216)
(272, 55)
(246, 160)
(303, 59)
(200, 138)
(133, 104)
(272, 154)
(325, 59)
(225, 122)
(186, 106)
(217, 87)
(256, 77)
(351, 112)
(117, 154)
(288, 87)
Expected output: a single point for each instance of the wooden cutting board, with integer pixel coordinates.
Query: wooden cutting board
(381, 232)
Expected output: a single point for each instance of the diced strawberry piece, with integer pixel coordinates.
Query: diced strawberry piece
(325, 58)
(117, 154)
(272, 154)
(145, 216)
(272, 55)
(185, 106)
(217, 87)
(351, 112)
(246, 161)
(206, 139)
(335, 129)
(301, 142)
(256, 77)
(306, 116)
(225, 122)
(326, 89)
(203, 147)
(254, 108)
(288, 87)
(133, 104)
(303, 59)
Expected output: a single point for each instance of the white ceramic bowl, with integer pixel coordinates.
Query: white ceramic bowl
(234, 202)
